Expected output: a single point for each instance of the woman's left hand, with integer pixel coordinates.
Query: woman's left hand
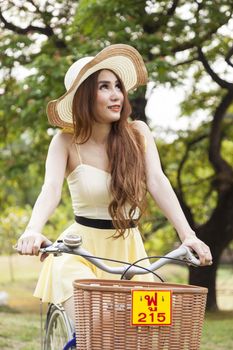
(199, 247)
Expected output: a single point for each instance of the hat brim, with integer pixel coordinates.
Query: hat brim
(124, 60)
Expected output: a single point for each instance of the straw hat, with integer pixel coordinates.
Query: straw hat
(122, 59)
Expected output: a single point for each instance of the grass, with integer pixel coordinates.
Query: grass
(218, 331)
(20, 290)
(20, 319)
(225, 288)
(19, 331)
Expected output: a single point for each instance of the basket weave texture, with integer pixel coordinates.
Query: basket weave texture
(103, 317)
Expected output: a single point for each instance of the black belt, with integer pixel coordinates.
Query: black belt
(100, 223)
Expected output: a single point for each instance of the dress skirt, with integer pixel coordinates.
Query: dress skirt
(55, 284)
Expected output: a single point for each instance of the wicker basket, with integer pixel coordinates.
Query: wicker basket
(103, 317)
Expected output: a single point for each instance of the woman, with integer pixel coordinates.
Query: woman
(109, 164)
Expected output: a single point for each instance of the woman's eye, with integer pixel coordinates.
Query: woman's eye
(118, 86)
(104, 86)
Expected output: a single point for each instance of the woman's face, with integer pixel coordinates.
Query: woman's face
(109, 98)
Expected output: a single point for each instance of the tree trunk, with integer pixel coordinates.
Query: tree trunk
(138, 103)
(206, 277)
(217, 233)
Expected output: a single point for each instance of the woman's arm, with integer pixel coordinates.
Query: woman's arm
(161, 190)
(32, 239)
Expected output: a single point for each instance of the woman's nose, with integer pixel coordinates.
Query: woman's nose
(115, 94)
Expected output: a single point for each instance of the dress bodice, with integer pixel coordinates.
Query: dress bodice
(89, 190)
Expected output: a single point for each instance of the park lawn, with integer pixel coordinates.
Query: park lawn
(218, 331)
(20, 289)
(26, 271)
(21, 331)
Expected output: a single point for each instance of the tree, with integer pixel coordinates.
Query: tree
(33, 36)
(177, 39)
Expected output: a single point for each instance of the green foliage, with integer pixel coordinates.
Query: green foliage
(15, 219)
(13, 222)
(195, 179)
(196, 174)
(164, 38)
(168, 42)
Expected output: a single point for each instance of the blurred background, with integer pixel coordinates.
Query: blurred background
(188, 103)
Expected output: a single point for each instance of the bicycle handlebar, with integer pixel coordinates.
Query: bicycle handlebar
(71, 244)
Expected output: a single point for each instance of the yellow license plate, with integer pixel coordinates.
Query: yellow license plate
(151, 307)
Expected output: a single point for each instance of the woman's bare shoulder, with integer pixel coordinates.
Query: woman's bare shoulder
(62, 139)
(62, 136)
(141, 126)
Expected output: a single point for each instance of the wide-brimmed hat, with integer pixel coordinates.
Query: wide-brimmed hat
(124, 60)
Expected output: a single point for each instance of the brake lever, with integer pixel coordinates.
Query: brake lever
(190, 258)
(52, 249)
(70, 241)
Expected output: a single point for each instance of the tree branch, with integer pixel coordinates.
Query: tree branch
(193, 43)
(223, 169)
(46, 30)
(187, 45)
(185, 157)
(198, 182)
(191, 60)
(160, 223)
(35, 5)
(179, 191)
(29, 29)
(228, 57)
(222, 83)
(172, 9)
(151, 26)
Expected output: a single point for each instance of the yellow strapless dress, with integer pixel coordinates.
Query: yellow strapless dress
(89, 189)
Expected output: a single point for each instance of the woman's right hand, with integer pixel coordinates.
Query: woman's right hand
(31, 241)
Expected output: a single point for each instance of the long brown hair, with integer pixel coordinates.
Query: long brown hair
(125, 150)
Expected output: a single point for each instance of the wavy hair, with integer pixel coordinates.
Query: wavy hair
(125, 150)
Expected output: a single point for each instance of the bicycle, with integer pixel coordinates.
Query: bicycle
(104, 309)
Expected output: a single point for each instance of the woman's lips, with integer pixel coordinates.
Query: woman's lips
(115, 108)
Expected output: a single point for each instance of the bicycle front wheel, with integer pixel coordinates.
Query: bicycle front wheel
(59, 330)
